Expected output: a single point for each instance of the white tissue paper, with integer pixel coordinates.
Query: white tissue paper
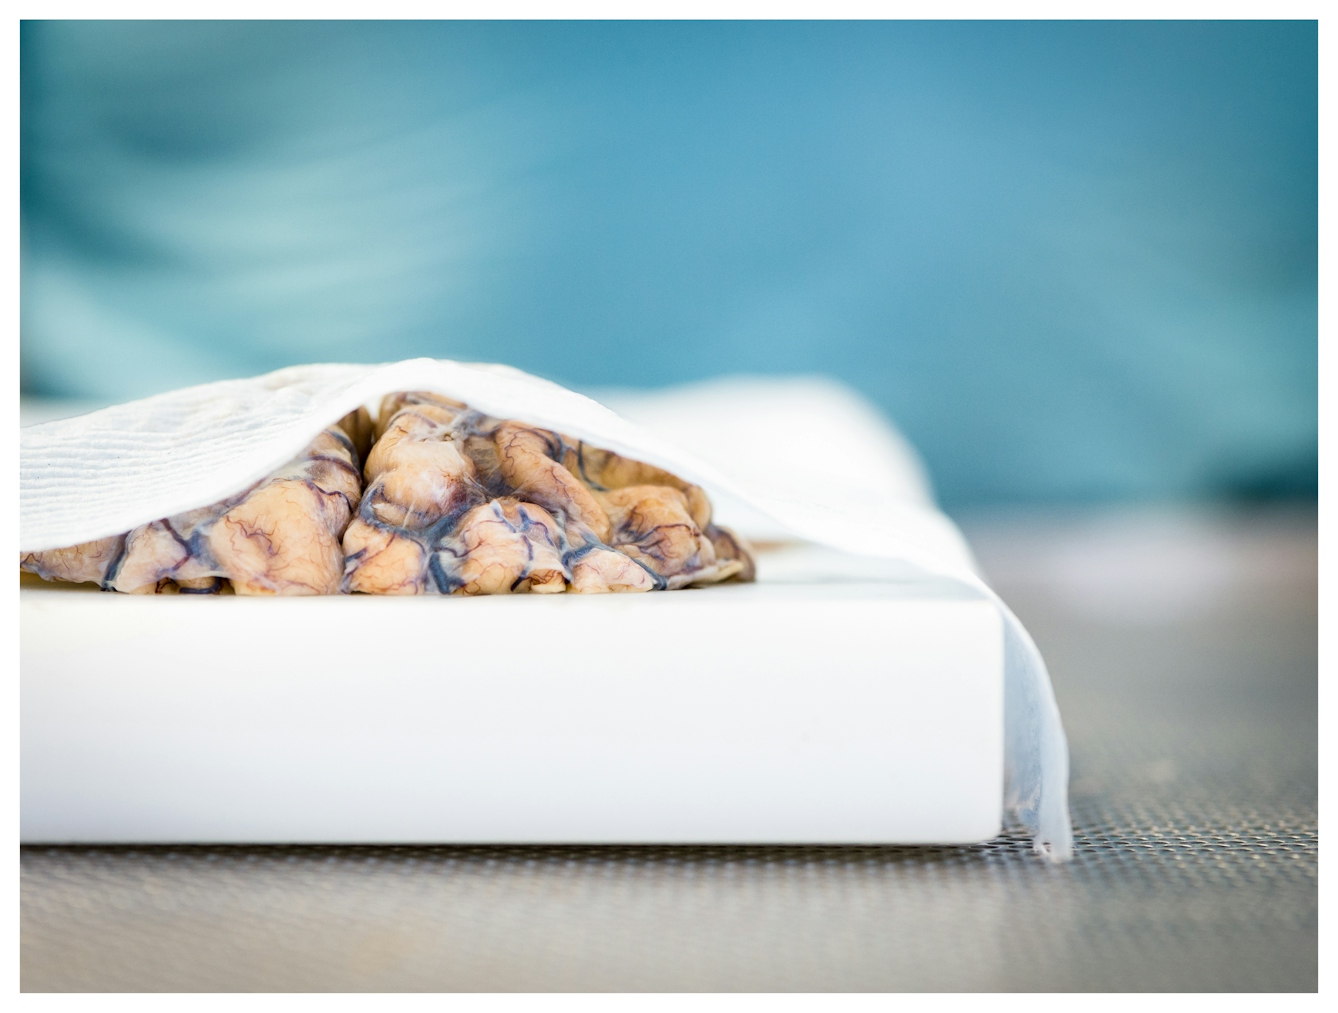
(188, 448)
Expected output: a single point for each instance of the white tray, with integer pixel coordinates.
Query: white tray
(830, 708)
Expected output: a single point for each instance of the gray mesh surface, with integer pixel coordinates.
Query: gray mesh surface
(1193, 731)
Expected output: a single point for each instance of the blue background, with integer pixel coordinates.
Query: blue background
(1073, 261)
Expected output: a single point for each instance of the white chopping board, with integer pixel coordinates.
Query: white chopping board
(827, 703)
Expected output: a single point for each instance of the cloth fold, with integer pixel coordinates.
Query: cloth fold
(109, 471)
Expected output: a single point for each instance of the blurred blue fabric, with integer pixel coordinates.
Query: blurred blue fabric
(1073, 261)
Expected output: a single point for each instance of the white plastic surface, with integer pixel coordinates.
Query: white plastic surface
(780, 712)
